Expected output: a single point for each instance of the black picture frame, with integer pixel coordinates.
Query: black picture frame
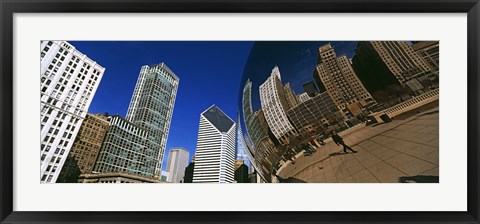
(10, 7)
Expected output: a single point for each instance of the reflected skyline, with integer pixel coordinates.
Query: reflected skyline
(295, 94)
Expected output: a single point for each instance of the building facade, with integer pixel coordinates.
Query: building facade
(114, 178)
(151, 107)
(340, 80)
(69, 80)
(215, 152)
(126, 149)
(290, 95)
(274, 106)
(241, 152)
(318, 114)
(310, 88)
(429, 52)
(400, 59)
(384, 63)
(302, 97)
(85, 149)
(177, 162)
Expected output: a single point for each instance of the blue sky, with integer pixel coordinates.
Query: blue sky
(209, 73)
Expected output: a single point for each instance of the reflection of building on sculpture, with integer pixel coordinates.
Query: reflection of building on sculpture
(288, 125)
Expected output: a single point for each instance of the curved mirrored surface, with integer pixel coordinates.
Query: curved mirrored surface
(294, 94)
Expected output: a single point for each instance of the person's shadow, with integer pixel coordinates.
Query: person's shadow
(290, 180)
(419, 179)
(337, 154)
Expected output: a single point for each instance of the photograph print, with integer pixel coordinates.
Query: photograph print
(239, 111)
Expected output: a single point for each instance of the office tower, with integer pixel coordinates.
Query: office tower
(126, 149)
(383, 63)
(303, 97)
(318, 114)
(340, 81)
(310, 89)
(241, 172)
(177, 161)
(85, 149)
(215, 153)
(69, 80)
(188, 176)
(151, 107)
(290, 95)
(429, 52)
(274, 105)
(241, 152)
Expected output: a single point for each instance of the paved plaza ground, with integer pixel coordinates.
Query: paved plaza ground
(404, 150)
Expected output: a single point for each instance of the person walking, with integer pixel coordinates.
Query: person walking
(339, 141)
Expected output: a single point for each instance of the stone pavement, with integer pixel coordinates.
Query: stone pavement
(399, 151)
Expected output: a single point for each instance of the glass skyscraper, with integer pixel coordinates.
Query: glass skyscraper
(151, 107)
(240, 150)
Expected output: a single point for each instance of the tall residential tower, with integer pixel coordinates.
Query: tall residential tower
(340, 80)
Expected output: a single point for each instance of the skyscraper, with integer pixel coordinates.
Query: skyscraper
(152, 105)
(69, 80)
(177, 162)
(274, 105)
(383, 63)
(241, 152)
(253, 120)
(429, 51)
(215, 153)
(85, 149)
(290, 95)
(340, 80)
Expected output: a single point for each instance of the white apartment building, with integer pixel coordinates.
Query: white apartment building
(274, 105)
(176, 164)
(215, 152)
(69, 80)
